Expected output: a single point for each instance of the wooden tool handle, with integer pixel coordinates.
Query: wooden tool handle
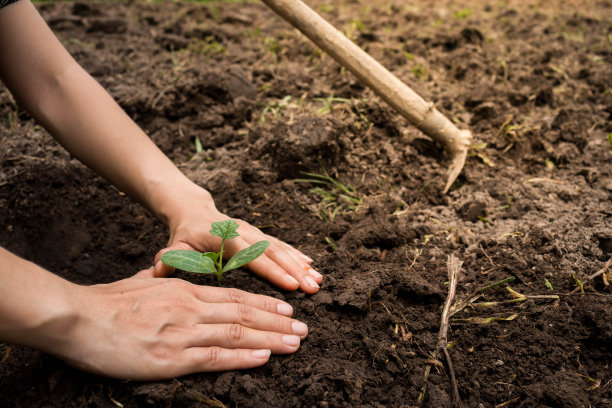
(408, 103)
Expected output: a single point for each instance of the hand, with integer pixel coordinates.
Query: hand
(146, 328)
(281, 264)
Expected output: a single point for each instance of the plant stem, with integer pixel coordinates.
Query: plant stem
(220, 263)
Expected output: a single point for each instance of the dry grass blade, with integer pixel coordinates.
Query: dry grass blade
(7, 353)
(485, 320)
(507, 403)
(603, 272)
(460, 305)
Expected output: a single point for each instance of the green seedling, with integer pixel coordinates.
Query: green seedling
(329, 101)
(548, 284)
(212, 262)
(331, 243)
(575, 36)
(336, 197)
(463, 13)
(198, 144)
(272, 46)
(510, 203)
(485, 220)
(478, 151)
(578, 282)
(419, 71)
(610, 138)
(275, 108)
(326, 8)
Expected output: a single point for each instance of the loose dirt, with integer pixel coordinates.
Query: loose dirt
(532, 81)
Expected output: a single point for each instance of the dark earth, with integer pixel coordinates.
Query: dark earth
(531, 79)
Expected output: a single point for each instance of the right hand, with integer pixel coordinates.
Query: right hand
(190, 223)
(146, 328)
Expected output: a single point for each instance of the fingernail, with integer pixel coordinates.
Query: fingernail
(291, 340)
(284, 309)
(306, 258)
(311, 282)
(299, 328)
(292, 280)
(265, 353)
(314, 273)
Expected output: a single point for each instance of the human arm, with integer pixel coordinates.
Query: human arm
(84, 118)
(141, 328)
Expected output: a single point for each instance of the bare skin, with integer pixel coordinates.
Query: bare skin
(142, 328)
(168, 321)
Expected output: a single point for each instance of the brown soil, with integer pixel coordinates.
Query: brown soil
(533, 203)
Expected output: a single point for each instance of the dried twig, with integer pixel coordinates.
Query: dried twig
(488, 257)
(602, 271)
(460, 305)
(454, 266)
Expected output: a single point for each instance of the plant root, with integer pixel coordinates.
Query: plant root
(454, 267)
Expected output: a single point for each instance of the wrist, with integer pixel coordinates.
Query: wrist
(172, 203)
(55, 326)
(37, 306)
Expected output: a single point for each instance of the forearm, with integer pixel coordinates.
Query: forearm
(35, 305)
(87, 122)
(81, 115)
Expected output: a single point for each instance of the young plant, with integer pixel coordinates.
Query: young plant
(336, 197)
(212, 262)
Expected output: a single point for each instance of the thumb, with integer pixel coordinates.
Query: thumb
(162, 270)
(145, 273)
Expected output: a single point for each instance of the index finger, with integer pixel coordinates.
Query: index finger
(212, 294)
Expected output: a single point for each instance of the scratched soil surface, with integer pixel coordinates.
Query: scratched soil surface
(533, 203)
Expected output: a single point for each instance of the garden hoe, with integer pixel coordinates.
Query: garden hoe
(408, 103)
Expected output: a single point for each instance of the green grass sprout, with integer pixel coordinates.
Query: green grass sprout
(329, 101)
(336, 197)
(578, 283)
(548, 284)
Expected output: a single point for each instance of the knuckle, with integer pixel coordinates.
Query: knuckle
(269, 304)
(161, 353)
(236, 296)
(236, 333)
(245, 314)
(280, 325)
(213, 356)
(174, 283)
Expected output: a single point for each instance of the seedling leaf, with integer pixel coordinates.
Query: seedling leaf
(198, 144)
(246, 255)
(190, 261)
(548, 284)
(212, 255)
(225, 229)
(578, 283)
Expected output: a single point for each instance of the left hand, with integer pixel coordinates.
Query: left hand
(281, 264)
